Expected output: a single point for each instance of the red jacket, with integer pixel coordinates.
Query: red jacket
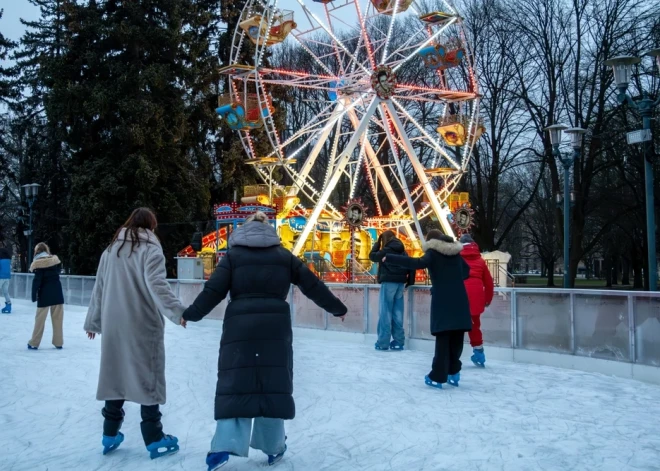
(479, 285)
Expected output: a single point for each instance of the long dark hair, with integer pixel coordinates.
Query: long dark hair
(141, 218)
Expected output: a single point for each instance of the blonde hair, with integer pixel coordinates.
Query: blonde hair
(41, 247)
(258, 217)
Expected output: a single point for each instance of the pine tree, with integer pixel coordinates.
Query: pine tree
(6, 89)
(36, 124)
(136, 114)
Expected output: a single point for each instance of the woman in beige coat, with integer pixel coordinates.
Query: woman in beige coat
(129, 300)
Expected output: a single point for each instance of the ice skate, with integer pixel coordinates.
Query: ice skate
(30, 347)
(454, 379)
(478, 357)
(168, 445)
(430, 382)
(394, 345)
(216, 460)
(112, 443)
(378, 347)
(7, 308)
(274, 459)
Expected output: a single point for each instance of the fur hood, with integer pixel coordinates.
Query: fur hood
(45, 262)
(445, 248)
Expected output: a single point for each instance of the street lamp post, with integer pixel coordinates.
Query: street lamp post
(622, 68)
(567, 161)
(31, 191)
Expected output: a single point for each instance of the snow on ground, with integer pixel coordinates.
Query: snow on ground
(357, 409)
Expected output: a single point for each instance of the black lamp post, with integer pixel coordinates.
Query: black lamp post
(31, 191)
(622, 68)
(569, 196)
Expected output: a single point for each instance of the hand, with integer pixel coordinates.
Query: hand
(91, 335)
(384, 258)
(342, 317)
(183, 323)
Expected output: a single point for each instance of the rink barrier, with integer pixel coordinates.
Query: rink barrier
(619, 326)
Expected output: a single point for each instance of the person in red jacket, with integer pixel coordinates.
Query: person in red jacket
(480, 289)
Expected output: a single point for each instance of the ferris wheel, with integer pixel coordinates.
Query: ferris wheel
(382, 74)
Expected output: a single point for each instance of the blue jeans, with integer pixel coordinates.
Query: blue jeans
(233, 436)
(390, 314)
(5, 290)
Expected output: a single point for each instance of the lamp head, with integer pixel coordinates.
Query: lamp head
(555, 133)
(655, 54)
(576, 135)
(31, 190)
(622, 68)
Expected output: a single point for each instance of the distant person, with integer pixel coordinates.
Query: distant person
(255, 365)
(47, 293)
(393, 280)
(480, 289)
(450, 311)
(130, 297)
(5, 277)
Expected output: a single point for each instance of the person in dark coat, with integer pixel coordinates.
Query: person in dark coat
(450, 310)
(393, 281)
(255, 365)
(47, 293)
(480, 289)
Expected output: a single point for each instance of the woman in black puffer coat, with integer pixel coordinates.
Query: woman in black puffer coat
(450, 309)
(255, 366)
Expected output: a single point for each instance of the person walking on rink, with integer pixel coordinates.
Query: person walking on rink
(47, 293)
(255, 364)
(450, 311)
(393, 281)
(130, 297)
(480, 289)
(5, 277)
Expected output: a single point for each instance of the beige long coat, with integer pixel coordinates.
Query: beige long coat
(129, 300)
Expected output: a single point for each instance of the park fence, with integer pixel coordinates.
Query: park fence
(623, 326)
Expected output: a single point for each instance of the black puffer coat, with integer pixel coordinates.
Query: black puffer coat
(391, 273)
(450, 309)
(255, 366)
(46, 286)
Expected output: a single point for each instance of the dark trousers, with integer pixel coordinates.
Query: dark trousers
(151, 426)
(447, 359)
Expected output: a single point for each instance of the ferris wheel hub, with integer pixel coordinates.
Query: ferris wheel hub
(383, 81)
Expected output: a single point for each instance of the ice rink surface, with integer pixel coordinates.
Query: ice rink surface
(357, 409)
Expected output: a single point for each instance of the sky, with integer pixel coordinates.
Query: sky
(14, 10)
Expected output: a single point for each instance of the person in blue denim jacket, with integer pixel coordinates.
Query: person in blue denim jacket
(393, 281)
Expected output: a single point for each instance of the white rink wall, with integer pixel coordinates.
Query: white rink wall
(614, 332)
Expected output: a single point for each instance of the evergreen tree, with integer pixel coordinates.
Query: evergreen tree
(137, 119)
(36, 125)
(6, 89)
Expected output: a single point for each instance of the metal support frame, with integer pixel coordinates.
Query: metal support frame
(397, 161)
(419, 170)
(365, 308)
(571, 311)
(631, 329)
(342, 161)
(514, 320)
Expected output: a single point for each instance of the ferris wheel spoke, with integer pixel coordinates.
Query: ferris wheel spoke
(419, 169)
(341, 164)
(435, 144)
(395, 10)
(328, 30)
